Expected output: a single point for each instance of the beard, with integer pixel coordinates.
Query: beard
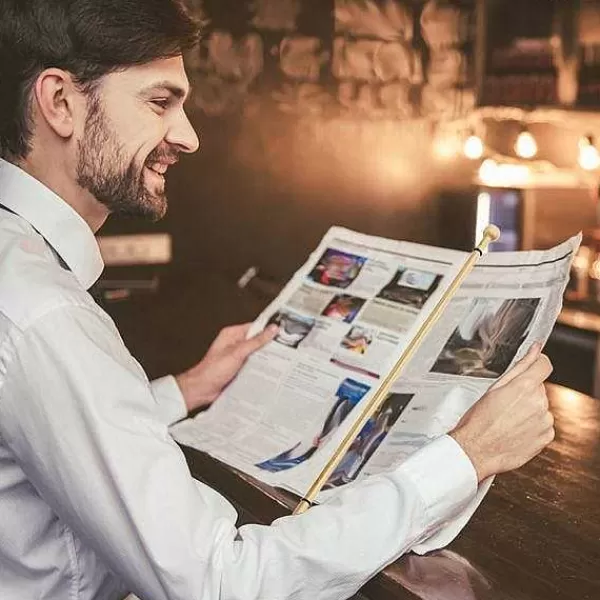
(103, 170)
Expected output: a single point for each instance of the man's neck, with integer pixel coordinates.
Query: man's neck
(53, 177)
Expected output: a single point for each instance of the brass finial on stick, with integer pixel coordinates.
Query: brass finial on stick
(490, 234)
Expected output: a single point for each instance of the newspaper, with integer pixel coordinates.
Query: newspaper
(345, 317)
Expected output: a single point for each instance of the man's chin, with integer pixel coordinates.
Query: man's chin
(156, 209)
(150, 208)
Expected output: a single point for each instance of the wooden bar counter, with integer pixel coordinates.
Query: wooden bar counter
(535, 537)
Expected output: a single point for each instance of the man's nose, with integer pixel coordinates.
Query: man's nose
(182, 134)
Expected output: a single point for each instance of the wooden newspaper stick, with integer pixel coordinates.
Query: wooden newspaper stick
(490, 234)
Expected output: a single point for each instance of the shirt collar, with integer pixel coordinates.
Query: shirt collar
(60, 225)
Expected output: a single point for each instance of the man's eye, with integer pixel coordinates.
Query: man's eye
(162, 103)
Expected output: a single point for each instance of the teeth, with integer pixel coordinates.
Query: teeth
(158, 168)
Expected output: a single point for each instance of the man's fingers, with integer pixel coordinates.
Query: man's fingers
(527, 361)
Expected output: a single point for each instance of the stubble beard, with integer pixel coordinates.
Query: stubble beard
(103, 171)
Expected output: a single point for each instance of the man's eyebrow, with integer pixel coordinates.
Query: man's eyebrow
(177, 91)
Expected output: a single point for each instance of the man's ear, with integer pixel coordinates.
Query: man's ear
(56, 95)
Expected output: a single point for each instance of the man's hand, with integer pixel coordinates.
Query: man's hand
(202, 384)
(511, 424)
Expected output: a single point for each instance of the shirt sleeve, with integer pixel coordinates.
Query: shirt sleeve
(170, 402)
(81, 418)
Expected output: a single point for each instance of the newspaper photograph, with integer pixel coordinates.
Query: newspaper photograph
(344, 319)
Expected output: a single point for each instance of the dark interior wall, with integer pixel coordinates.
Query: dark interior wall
(265, 195)
(291, 146)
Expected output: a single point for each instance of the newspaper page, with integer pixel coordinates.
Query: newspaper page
(344, 319)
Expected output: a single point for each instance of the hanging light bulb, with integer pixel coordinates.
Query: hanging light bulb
(589, 158)
(526, 146)
(473, 147)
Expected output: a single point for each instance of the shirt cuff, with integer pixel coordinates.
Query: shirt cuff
(451, 528)
(445, 479)
(169, 399)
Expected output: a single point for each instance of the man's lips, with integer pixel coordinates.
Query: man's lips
(160, 166)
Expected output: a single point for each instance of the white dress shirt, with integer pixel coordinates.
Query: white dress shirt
(96, 499)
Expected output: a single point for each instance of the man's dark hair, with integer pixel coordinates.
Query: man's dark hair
(87, 38)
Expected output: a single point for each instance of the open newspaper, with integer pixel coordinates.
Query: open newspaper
(344, 318)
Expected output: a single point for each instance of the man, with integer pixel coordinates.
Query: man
(95, 498)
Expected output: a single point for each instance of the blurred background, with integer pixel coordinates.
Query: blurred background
(420, 120)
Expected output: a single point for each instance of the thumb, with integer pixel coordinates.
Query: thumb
(532, 355)
(257, 341)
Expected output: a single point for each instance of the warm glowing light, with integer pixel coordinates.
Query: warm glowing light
(526, 146)
(447, 147)
(589, 158)
(473, 147)
(514, 173)
(488, 170)
(493, 174)
(483, 215)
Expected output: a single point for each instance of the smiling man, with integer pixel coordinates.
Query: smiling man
(123, 159)
(96, 499)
